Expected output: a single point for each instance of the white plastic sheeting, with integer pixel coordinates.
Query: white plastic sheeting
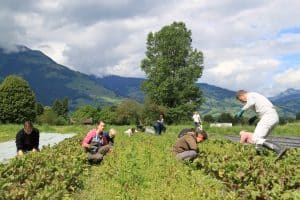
(8, 149)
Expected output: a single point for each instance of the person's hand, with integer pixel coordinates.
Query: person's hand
(252, 120)
(240, 113)
(20, 153)
(92, 148)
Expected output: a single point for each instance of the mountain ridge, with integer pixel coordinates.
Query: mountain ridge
(51, 81)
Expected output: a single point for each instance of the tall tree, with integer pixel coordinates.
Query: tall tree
(61, 107)
(39, 108)
(17, 101)
(172, 67)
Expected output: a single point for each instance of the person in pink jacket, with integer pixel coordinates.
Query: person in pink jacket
(96, 144)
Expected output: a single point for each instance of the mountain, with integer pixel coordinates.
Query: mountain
(51, 81)
(123, 86)
(217, 99)
(288, 101)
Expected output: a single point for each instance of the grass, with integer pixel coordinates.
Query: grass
(9, 131)
(143, 167)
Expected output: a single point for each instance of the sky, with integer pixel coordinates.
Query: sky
(247, 44)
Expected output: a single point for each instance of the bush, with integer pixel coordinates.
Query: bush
(85, 112)
(17, 101)
(51, 118)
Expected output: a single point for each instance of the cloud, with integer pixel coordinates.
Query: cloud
(243, 41)
(289, 78)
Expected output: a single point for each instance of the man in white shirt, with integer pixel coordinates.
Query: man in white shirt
(197, 120)
(268, 119)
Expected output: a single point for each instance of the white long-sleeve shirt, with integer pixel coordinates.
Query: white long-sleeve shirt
(259, 103)
(196, 118)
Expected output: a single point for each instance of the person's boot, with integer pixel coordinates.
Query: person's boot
(275, 147)
(259, 149)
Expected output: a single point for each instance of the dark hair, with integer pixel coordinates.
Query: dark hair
(28, 124)
(203, 133)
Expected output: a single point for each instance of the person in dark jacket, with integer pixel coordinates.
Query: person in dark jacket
(27, 139)
(185, 131)
(159, 125)
(186, 147)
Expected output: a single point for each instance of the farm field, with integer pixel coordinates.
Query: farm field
(142, 167)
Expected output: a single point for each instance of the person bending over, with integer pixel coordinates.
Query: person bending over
(27, 139)
(186, 147)
(110, 136)
(268, 120)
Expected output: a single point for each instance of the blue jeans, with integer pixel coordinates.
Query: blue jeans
(157, 127)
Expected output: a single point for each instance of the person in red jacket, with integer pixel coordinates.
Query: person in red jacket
(96, 144)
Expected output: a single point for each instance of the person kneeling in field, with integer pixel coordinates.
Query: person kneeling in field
(130, 132)
(110, 136)
(268, 121)
(27, 139)
(186, 147)
(96, 144)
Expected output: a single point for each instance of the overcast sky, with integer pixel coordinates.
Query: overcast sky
(247, 44)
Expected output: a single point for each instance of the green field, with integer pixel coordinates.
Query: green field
(142, 167)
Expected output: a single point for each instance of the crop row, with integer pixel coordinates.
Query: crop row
(250, 175)
(50, 174)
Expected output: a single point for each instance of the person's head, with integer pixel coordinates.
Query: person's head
(133, 130)
(241, 95)
(28, 127)
(101, 126)
(112, 133)
(201, 136)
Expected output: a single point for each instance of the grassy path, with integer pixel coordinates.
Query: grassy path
(142, 167)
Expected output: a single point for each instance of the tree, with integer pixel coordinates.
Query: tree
(39, 108)
(151, 112)
(129, 112)
(172, 67)
(86, 112)
(109, 115)
(298, 116)
(209, 118)
(61, 107)
(17, 100)
(225, 118)
(51, 118)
